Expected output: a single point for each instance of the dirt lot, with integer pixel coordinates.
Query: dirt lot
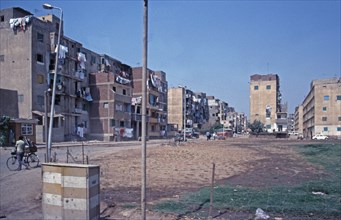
(172, 171)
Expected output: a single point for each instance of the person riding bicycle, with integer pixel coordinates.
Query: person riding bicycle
(20, 147)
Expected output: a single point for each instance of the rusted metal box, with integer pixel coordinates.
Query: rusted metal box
(71, 191)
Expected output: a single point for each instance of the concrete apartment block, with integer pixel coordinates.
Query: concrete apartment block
(27, 64)
(264, 99)
(299, 119)
(110, 111)
(176, 108)
(157, 90)
(322, 108)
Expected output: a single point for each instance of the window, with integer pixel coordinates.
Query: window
(339, 118)
(124, 92)
(325, 128)
(57, 100)
(338, 97)
(2, 18)
(324, 118)
(324, 109)
(153, 128)
(119, 107)
(112, 122)
(338, 128)
(2, 58)
(40, 37)
(40, 58)
(114, 89)
(40, 100)
(40, 78)
(93, 60)
(268, 87)
(268, 126)
(55, 122)
(121, 123)
(255, 88)
(326, 97)
(21, 98)
(57, 26)
(127, 107)
(26, 129)
(105, 105)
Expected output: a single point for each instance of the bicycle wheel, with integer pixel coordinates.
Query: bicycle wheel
(12, 163)
(32, 160)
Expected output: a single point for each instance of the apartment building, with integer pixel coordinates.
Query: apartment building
(298, 119)
(157, 90)
(27, 55)
(322, 108)
(100, 109)
(110, 111)
(214, 110)
(176, 107)
(265, 102)
(201, 111)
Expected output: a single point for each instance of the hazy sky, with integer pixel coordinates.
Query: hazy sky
(213, 46)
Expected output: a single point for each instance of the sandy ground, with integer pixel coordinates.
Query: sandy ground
(171, 172)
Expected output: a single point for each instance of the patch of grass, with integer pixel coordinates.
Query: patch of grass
(130, 206)
(288, 200)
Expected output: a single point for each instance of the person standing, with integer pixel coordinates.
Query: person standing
(20, 146)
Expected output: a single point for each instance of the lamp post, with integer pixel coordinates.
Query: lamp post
(49, 142)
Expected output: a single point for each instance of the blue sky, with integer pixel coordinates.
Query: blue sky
(213, 46)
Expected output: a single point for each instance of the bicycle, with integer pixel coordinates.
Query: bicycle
(30, 158)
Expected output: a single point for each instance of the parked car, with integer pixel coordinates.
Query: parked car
(320, 137)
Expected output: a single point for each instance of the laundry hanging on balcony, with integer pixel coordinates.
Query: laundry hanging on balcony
(20, 22)
(88, 95)
(81, 59)
(122, 80)
(62, 51)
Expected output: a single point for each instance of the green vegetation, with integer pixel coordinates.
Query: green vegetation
(297, 201)
(256, 127)
(4, 127)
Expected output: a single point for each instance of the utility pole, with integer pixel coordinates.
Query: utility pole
(144, 110)
(184, 113)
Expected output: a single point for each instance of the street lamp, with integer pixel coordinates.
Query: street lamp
(49, 142)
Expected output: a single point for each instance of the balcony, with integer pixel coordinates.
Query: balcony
(281, 121)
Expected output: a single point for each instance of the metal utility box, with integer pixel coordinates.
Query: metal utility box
(71, 191)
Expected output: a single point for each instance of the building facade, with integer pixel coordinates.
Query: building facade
(298, 127)
(201, 112)
(28, 62)
(176, 107)
(265, 102)
(157, 90)
(110, 111)
(322, 108)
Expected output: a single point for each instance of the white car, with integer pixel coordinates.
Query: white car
(320, 137)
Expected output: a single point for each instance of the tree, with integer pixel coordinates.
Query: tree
(256, 126)
(4, 127)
